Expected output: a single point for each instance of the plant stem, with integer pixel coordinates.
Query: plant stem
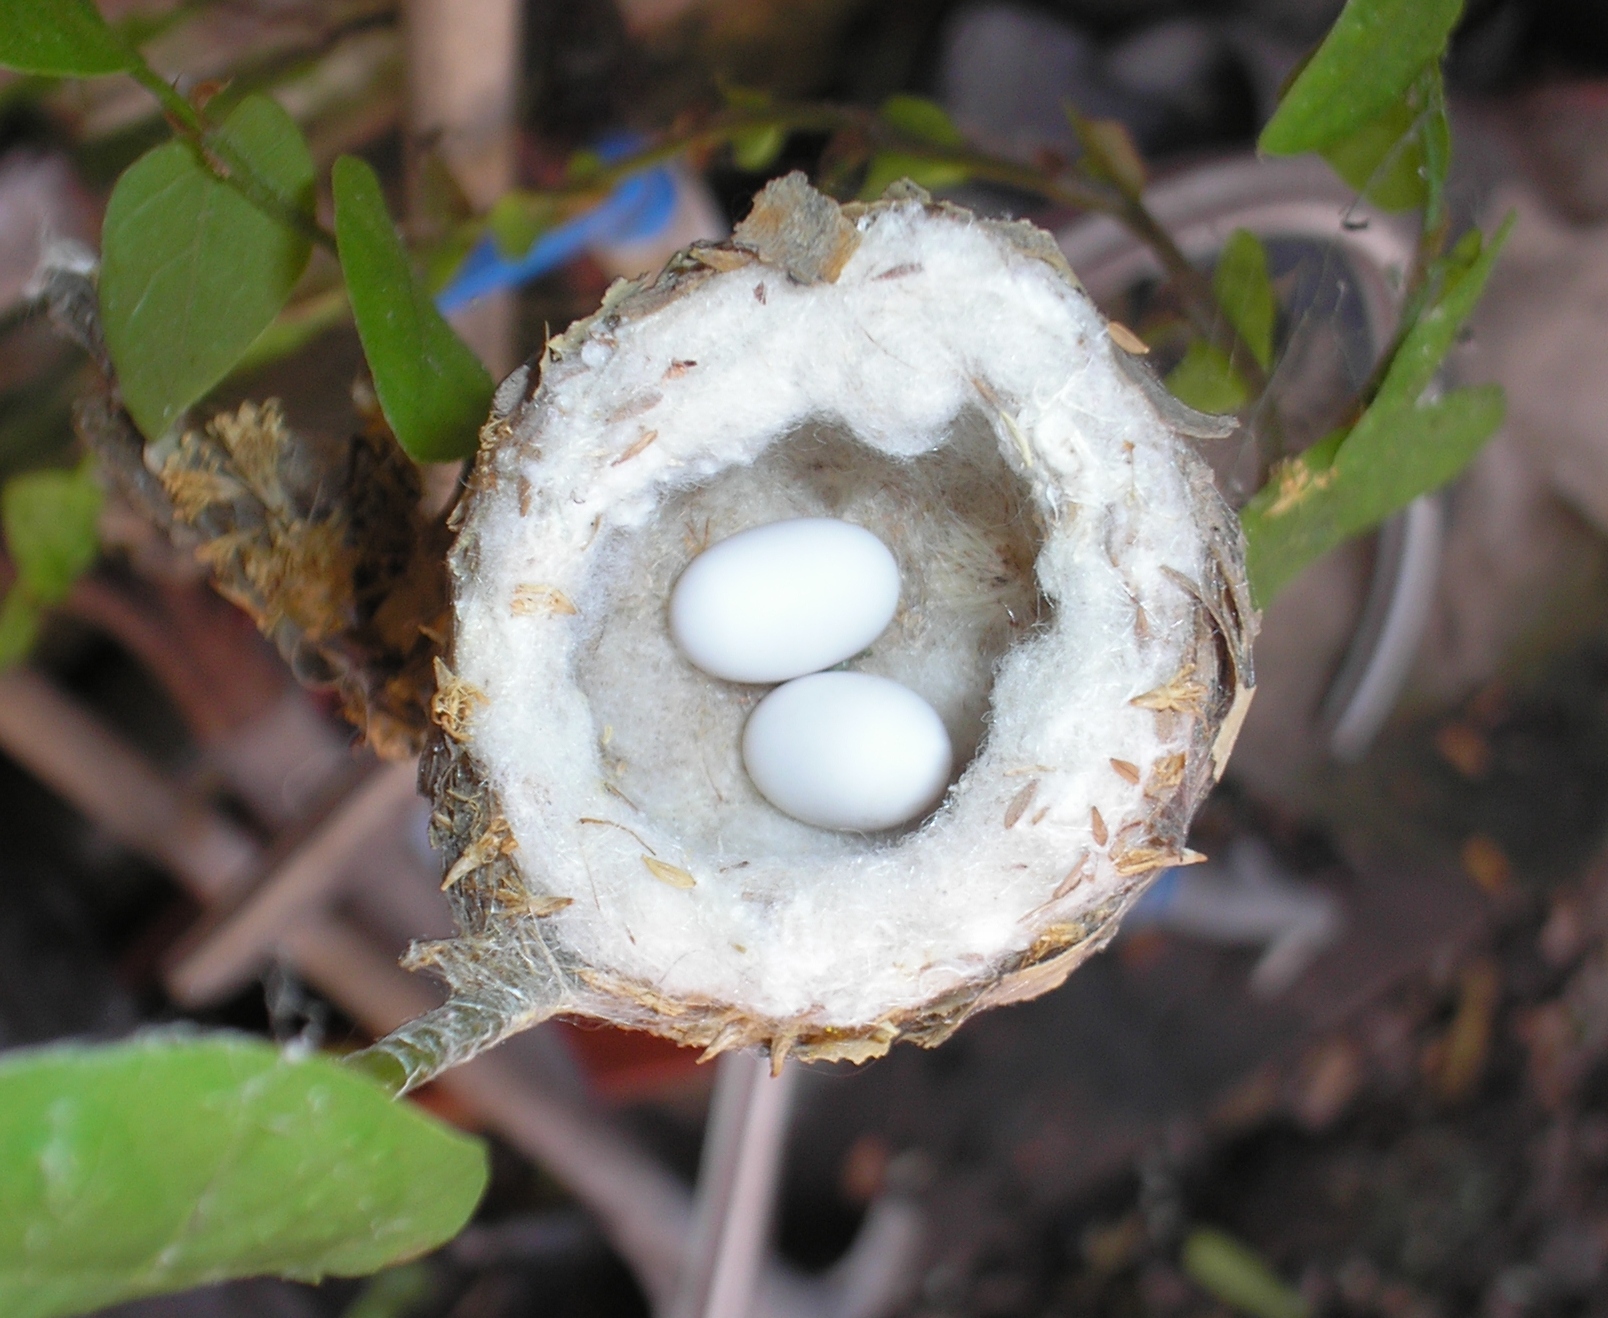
(1416, 294)
(1194, 289)
(189, 124)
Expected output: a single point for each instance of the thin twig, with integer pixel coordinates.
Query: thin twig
(213, 148)
(1418, 290)
(1065, 189)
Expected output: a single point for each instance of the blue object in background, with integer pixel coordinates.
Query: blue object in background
(1245, 898)
(1155, 899)
(639, 208)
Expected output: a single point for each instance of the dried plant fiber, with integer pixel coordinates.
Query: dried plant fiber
(1073, 606)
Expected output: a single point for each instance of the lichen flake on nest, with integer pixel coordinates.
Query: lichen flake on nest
(495, 842)
(796, 229)
(290, 563)
(328, 551)
(454, 702)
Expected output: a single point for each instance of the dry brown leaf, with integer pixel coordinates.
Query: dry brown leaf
(1465, 749)
(1126, 339)
(642, 441)
(1019, 803)
(673, 875)
(497, 841)
(1487, 864)
(531, 599)
(1182, 695)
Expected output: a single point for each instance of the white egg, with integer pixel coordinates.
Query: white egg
(785, 599)
(848, 751)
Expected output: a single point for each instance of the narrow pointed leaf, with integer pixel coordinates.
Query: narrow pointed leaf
(51, 520)
(19, 626)
(432, 388)
(64, 38)
(1399, 449)
(1462, 273)
(922, 118)
(171, 1161)
(755, 149)
(1206, 380)
(1398, 160)
(890, 166)
(1229, 1271)
(518, 219)
(1383, 160)
(1110, 153)
(1245, 293)
(1435, 141)
(191, 271)
(294, 328)
(1310, 506)
(1369, 59)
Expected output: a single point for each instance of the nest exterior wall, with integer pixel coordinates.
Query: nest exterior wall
(590, 462)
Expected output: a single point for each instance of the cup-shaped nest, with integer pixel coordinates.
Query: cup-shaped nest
(1074, 607)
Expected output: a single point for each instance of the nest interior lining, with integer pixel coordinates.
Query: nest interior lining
(960, 526)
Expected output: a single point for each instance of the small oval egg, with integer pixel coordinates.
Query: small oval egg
(781, 600)
(848, 751)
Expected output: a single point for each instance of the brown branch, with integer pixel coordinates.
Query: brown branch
(1077, 192)
(326, 550)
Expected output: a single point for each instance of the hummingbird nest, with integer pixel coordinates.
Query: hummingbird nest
(1074, 607)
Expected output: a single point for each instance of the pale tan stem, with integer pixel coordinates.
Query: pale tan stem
(643, 1209)
(230, 945)
(70, 751)
(463, 61)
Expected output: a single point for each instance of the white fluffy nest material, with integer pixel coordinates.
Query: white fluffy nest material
(1074, 607)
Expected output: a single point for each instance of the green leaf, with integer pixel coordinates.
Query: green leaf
(1236, 1275)
(1391, 457)
(584, 166)
(1398, 159)
(394, 1293)
(749, 99)
(1245, 293)
(19, 626)
(889, 167)
(1435, 139)
(191, 271)
(170, 1161)
(62, 38)
(755, 149)
(294, 328)
(518, 219)
(1311, 505)
(1383, 160)
(1369, 59)
(1109, 152)
(1460, 277)
(918, 117)
(1206, 381)
(439, 201)
(1399, 448)
(441, 260)
(432, 388)
(51, 520)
